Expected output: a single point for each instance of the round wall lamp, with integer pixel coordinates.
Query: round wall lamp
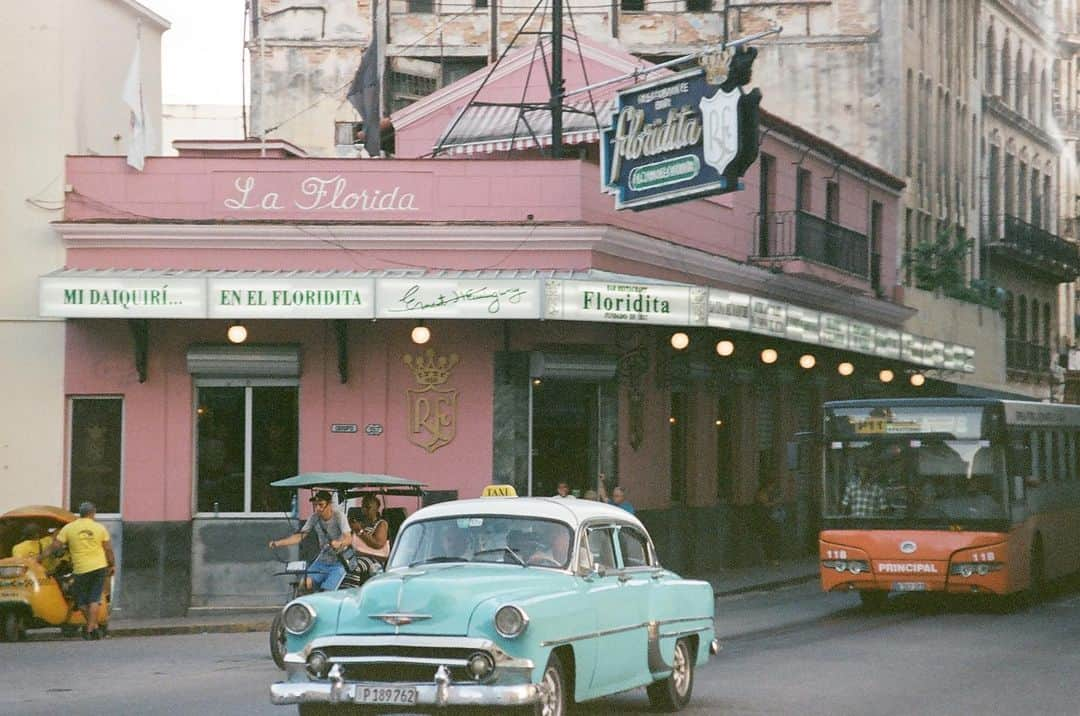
(807, 361)
(421, 335)
(679, 341)
(886, 376)
(725, 348)
(769, 355)
(917, 379)
(237, 333)
(846, 368)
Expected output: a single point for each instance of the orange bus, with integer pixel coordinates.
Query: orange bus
(952, 495)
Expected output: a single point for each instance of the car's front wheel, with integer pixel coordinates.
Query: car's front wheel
(554, 699)
(673, 693)
(277, 641)
(12, 625)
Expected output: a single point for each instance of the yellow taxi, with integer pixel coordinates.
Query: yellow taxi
(34, 595)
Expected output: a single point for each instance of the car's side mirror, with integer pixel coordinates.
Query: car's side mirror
(598, 571)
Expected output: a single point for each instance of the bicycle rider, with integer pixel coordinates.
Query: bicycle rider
(332, 529)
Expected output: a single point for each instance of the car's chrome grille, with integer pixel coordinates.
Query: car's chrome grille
(387, 662)
(415, 673)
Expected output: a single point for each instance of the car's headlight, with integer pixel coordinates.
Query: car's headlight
(510, 621)
(298, 618)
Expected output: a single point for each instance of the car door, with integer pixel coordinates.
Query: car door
(638, 577)
(619, 635)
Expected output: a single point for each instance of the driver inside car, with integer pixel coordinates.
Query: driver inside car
(553, 547)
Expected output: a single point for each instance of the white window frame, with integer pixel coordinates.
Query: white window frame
(247, 384)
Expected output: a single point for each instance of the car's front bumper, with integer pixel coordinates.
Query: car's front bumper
(440, 692)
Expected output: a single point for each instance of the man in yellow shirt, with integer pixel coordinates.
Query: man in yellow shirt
(92, 560)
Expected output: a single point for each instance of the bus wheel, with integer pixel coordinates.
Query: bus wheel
(873, 601)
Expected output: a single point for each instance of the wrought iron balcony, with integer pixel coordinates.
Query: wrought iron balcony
(1037, 249)
(799, 235)
(1021, 355)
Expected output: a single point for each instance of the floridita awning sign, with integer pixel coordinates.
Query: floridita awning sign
(596, 296)
(689, 135)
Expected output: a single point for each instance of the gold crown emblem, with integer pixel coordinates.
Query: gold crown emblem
(430, 370)
(716, 66)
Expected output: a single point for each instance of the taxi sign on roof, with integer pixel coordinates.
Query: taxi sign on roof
(499, 491)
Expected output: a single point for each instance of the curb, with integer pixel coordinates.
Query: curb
(179, 629)
(766, 586)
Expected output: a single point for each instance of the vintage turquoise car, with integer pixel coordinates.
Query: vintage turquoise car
(531, 602)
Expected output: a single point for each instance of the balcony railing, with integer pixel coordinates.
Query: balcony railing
(1038, 249)
(1020, 355)
(797, 234)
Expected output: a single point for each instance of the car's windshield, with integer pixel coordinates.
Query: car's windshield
(925, 479)
(484, 538)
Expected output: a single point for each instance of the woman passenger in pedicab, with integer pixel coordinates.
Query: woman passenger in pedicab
(371, 532)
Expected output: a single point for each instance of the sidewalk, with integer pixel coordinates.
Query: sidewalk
(725, 583)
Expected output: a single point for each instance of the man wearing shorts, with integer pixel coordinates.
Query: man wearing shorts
(334, 534)
(92, 561)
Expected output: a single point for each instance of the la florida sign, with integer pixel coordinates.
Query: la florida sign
(681, 137)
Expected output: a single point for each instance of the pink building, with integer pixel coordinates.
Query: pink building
(551, 355)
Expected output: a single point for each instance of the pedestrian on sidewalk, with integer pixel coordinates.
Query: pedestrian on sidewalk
(770, 515)
(618, 496)
(92, 561)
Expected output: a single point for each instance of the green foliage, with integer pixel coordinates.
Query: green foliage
(938, 266)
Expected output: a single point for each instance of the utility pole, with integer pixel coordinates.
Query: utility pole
(556, 98)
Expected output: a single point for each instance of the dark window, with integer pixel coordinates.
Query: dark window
(875, 244)
(832, 202)
(454, 70)
(246, 438)
(699, 5)
(406, 89)
(632, 5)
(95, 458)
(766, 192)
(803, 188)
(420, 5)
(479, 4)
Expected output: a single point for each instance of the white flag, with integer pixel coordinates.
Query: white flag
(133, 98)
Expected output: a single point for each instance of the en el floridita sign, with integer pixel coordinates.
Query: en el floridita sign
(689, 135)
(602, 298)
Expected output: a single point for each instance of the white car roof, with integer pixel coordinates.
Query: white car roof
(571, 510)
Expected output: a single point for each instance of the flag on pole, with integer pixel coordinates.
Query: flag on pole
(364, 96)
(133, 98)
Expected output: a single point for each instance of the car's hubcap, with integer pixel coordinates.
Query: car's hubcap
(680, 672)
(551, 703)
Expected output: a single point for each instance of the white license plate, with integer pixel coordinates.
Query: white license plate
(909, 586)
(385, 695)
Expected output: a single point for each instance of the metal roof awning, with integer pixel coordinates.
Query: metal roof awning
(490, 128)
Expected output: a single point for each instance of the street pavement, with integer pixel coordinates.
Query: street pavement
(726, 583)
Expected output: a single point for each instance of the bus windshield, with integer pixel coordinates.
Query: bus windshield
(929, 479)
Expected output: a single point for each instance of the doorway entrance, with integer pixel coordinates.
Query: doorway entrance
(565, 436)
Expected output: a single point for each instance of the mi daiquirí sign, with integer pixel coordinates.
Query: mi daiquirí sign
(268, 295)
